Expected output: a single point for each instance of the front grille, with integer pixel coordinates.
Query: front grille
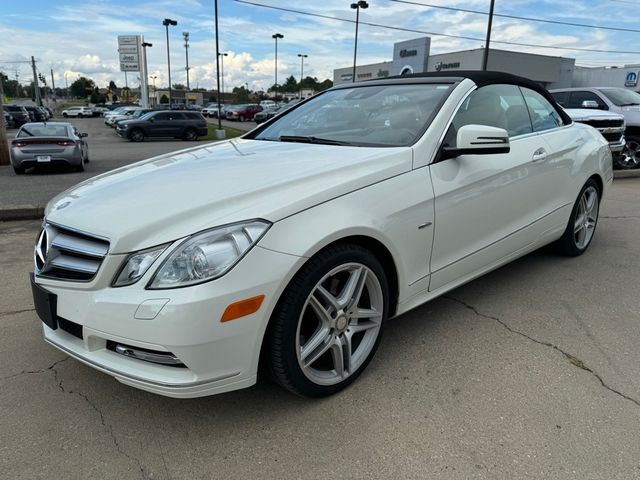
(70, 327)
(613, 137)
(66, 254)
(604, 123)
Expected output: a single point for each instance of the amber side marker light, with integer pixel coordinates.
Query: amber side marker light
(242, 308)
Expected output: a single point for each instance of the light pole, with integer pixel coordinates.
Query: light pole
(144, 88)
(153, 80)
(302, 57)
(186, 52)
(166, 22)
(357, 6)
(220, 132)
(276, 36)
(222, 55)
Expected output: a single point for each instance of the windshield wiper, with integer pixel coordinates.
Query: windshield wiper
(311, 139)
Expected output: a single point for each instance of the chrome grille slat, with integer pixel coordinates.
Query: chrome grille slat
(65, 254)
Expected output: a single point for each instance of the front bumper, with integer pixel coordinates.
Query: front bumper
(218, 357)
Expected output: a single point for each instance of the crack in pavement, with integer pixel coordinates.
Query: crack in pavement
(16, 312)
(575, 361)
(104, 423)
(619, 216)
(42, 370)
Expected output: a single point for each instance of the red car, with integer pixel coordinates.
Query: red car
(243, 112)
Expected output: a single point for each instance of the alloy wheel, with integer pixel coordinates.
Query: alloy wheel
(586, 218)
(339, 324)
(630, 157)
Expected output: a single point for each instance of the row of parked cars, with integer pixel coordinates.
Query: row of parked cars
(137, 123)
(17, 115)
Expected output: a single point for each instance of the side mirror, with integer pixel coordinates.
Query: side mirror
(478, 140)
(589, 104)
(84, 135)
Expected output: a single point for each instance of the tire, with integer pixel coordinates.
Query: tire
(65, 115)
(136, 135)
(313, 349)
(18, 170)
(80, 168)
(630, 157)
(241, 118)
(581, 228)
(190, 135)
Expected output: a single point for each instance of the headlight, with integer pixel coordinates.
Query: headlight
(208, 255)
(136, 265)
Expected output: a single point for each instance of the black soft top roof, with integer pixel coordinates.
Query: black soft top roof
(481, 79)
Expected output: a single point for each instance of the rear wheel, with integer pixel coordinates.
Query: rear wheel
(583, 221)
(136, 135)
(329, 321)
(190, 135)
(65, 115)
(80, 168)
(241, 118)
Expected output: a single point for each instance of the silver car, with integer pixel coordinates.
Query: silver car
(49, 143)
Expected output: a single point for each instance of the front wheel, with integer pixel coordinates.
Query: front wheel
(65, 115)
(136, 135)
(583, 221)
(329, 321)
(630, 156)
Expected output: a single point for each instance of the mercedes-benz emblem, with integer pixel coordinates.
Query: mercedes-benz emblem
(41, 249)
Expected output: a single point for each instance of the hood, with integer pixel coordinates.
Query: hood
(586, 114)
(171, 196)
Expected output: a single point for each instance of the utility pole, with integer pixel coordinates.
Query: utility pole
(36, 86)
(186, 51)
(53, 85)
(4, 145)
(485, 58)
(220, 133)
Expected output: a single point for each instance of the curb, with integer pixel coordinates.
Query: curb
(635, 173)
(21, 212)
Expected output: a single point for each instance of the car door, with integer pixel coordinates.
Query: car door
(175, 124)
(485, 205)
(158, 126)
(578, 97)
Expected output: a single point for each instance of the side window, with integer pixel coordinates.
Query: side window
(177, 116)
(161, 116)
(560, 98)
(543, 115)
(576, 99)
(499, 106)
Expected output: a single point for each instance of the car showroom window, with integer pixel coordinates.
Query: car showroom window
(578, 97)
(500, 106)
(543, 115)
(376, 115)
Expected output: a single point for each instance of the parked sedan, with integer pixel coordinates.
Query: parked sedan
(51, 143)
(242, 113)
(8, 119)
(292, 246)
(173, 124)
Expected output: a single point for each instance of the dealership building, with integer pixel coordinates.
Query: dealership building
(413, 56)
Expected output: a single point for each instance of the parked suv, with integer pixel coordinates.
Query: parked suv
(610, 125)
(19, 114)
(77, 112)
(8, 119)
(243, 112)
(618, 100)
(175, 124)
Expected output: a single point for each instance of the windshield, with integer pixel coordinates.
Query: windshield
(43, 130)
(376, 115)
(621, 97)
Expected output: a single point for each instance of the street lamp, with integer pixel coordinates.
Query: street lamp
(276, 36)
(302, 57)
(357, 6)
(153, 80)
(186, 52)
(222, 55)
(166, 22)
(144, 87)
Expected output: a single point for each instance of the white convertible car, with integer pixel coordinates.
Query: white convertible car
(292, 246)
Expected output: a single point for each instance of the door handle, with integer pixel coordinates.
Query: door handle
(539, 155)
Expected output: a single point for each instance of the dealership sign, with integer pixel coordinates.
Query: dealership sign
(129, 52)
(631, 79)
(408, 53)
(446, 66)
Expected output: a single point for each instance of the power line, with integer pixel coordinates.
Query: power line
(436, 34)
(516, 17)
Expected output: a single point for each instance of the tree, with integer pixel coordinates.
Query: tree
(10, 87)
(82, 87)
(164, 99)
(324, 85)
(179, 86)
(95, 96)
(112, 86)
(290, 85)
(242, 94)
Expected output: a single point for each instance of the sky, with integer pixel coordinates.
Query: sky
(79, 37)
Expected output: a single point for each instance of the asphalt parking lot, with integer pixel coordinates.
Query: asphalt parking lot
(532, 371)
(106, 152)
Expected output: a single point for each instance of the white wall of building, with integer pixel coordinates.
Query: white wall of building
(624, 77)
